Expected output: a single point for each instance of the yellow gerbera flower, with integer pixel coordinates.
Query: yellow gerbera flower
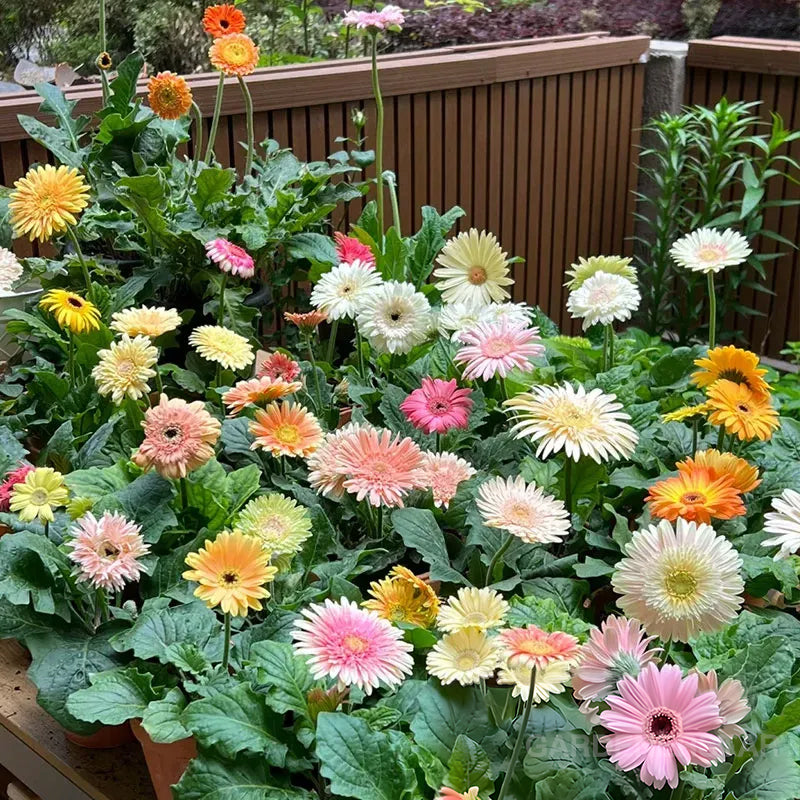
(42, 490)
(744, 413)
(145, 321)
(215, 343)
(743, 474)
(403, 597)
(687, 412)
(731, 364)
(278, 522)
(125, 368)
(71, 310)
(584, 268)
(46, 200)
(467, 656)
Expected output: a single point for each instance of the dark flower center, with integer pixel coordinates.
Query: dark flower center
(172, 433)
(75, 302)
(662, 726)
(230, 578)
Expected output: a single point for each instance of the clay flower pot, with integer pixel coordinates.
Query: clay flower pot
(165, 762)
(106, 738)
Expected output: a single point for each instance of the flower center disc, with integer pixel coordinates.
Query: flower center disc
(710, 253)
(477, 276)
(288, 434)
(39, 497)
(229, 578)
(355, 644)
(693, 498)
(662, 726)
(680, 584)
(468, 659)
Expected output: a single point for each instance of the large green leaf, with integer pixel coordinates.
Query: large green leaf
(571, 784)
(114, 697)
(286, 675)
(772, 774)
(469, 765)
(212, 185)
(545, 613)
(20, 622)
(162, 719)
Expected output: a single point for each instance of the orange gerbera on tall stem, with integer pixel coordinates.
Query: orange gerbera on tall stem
(696, 496)
(223, 19)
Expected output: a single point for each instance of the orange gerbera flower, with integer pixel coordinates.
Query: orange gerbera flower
(235, 54)
(306, 321)
(696, 496)
(169, 95)
(223, 19)
(731, 364)
(286, 430)
(257, 390)
(743, 474)
(747, 414)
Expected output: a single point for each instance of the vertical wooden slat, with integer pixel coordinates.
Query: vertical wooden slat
(507, 173)
(561, 199)
(479, 127)
(533, 247)
(436, 135)
(547, 184)
(519, 186)
(495, 123)
(466, 154)
(450, 143)
(406, 160)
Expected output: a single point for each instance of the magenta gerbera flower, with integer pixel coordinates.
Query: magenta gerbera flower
(12, 479)
(437, 406)
(658, 720)
(495, 348)
(229, 257)
(353, 645)
(349, 249)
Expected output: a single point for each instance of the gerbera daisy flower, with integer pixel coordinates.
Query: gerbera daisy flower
(308, 321)
(78, 506)
(578, 422)
(349, 249)
(658, 720)
(37, 494)
(679, 581)
(603, 299)
(286, 430)
(279, 366)
(223, 346)
(467, 656)
(71, 311)
(437, 406)
(442, 473)
(550, 679)
(733, 706)
(46, 200)
(326, 473)
(743, 412)
(340, 292)
(685, 413)
(353, 645)
(532, 647)
(455, 318)
(473, 268)
(234, 54)
(696, 496)
(229, 257)
(145, 321)
(446, 793)
(784, 522)
(107, 550)
(619, 647)
(280, 523)
(394, 317)
(178, 437)
(220, 20)
(480, 609)
(256, 391)
(585, 268)
(104, 61)
(731, 363)
(522, 509)
(10, 270)
(232, 572)
(514, 313)
(379, 466)
(403, 597)
(389, 17)
(11, 480)
(708, 250)
(125, 367)
(743, 474)
(169, 95)
(495, 348)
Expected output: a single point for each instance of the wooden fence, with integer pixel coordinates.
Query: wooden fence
(769, 71)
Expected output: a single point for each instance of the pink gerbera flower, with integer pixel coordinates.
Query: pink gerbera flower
(616, 649)
(229, 257)
(12, 479)
(441, 473)
(657, 720)
(326, 473)
(733, 705)
(379, 466)
(389, 16)
(532, 647)
(107, 550)
(437, 406)
(279, 366)
(349, 249)
(353, 645)
(495, 348)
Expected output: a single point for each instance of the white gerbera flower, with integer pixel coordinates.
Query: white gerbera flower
(679, 581)
(784, 521)
(394, 317)
(455, 318)
(466, 656)
(341, 292)
(604, 298)
(482, 609)
(125, 368)
(710, 250)
(549, 680)
(473, 268)
(578, 422)
(516, 313)
(10, 270)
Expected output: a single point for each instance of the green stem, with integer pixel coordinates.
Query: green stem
(376, 91)
(568, 484)
(221, 309)
(198, 146)
(46, 528)
(362, 371)
(81, 260)
(438, 442)
(212, 136)
(712, 311)
(695, 427)
(248, 107)
(395, 207)
(379, 523)
(226, 646)
(332, 341)
(103, 48)
(314, 373)
(608, 348)
(496, 557)
(520, 738)
(71, 360)
(184, 497)
(721, 438)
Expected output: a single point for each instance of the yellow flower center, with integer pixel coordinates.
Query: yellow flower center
(710, 253)
(287, 434)
(468, 659)
(229, 578)
(477, 276)
(355, 644)
(535, 647)
(475, 618)
(680, 584)
(236, 53)
(39, 497)
(519, 514)
(397, 612)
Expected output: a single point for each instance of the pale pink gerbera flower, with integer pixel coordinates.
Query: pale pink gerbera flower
(437, 406)
(326, 473)
(495, 348)
(616, 649)
(353, 645)
(733, 706)
(349, 249)
(178, 437)
(532, 647)
(446, 793)
(441, 473)
(11, 480)
(107, 550)
(229, 257)
(279, 366)
(657, 720)
(389, 16)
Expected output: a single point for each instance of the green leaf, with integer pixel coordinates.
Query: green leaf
(286, 675)
(123, 87)
(772, 774)
(469, 766)
(162, 718)
(571, 784)
(242, 484)
(552, 753)
(211, 186)
(11, 451)
(546, 614)
(91, 454)
(314, 247)
(20, 622)
(788, 718)
(113, 697)
(392, 262)
(95, 483)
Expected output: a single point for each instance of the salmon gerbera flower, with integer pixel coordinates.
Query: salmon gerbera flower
(286, 430)
(169, 95)
(731, 364)
(743, 474)
(326, 473)
(437, 406)
(306, 321)
(220, 20)
(278, 365)
(256, 391)
(532, 647)
(743, 412)
(695, 495)
(442, 473)
(234, 54)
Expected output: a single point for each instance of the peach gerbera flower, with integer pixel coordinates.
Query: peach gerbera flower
(532, 647)
(696, 496)
(744, 413)
(306, 321)
(446, 793)
(286, 430)
(743, 474)
(442, 473)
(279, 365)
(178, 437)
(220, 20)
(169, 95)
(326, 473)
(256, 391)
(234, 54)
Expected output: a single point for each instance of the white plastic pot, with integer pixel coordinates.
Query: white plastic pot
(9, 300)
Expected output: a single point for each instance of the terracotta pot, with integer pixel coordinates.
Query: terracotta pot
(345, 415)
(108, 737)
(165, 762)
(4, 529)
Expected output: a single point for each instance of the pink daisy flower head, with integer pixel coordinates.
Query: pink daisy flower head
(616, 649)
(495, 348)
(279, 366)
(107, 550)
(658, 720)
(11, 480)
(437, 406)
(441, 473)
(349, 249)
(532, 647)
(353, 645)
(326, 473)
(733, 706)
(389, 17)
(446, 793)
(229, 257)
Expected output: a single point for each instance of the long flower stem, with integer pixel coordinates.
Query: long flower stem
(103, 48)
(184, 497)
(523, 727)
(332, 341)
(248, 107)
(395, 207)
(221, 309)
(712, 311)
(226, 645)
(212, 136)
(496, 558)
(313, 363)
(721, 438)
(81, 260)
(608, 348)
(198, 146)
(695, 431)
(376, 91)
(71, 360)
(568, 484)
(361, 368)
(379, 523)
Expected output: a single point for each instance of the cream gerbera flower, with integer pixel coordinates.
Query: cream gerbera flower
(584, 268)
(10, 270)
(482, 609)
(277, 521)
(145, 321)
(125, 368)
(35, 497)
(549, 680)
(222, 345)
(708, 250)
(467, 656)
(473, 268)
(395, 317)
(604, 299)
